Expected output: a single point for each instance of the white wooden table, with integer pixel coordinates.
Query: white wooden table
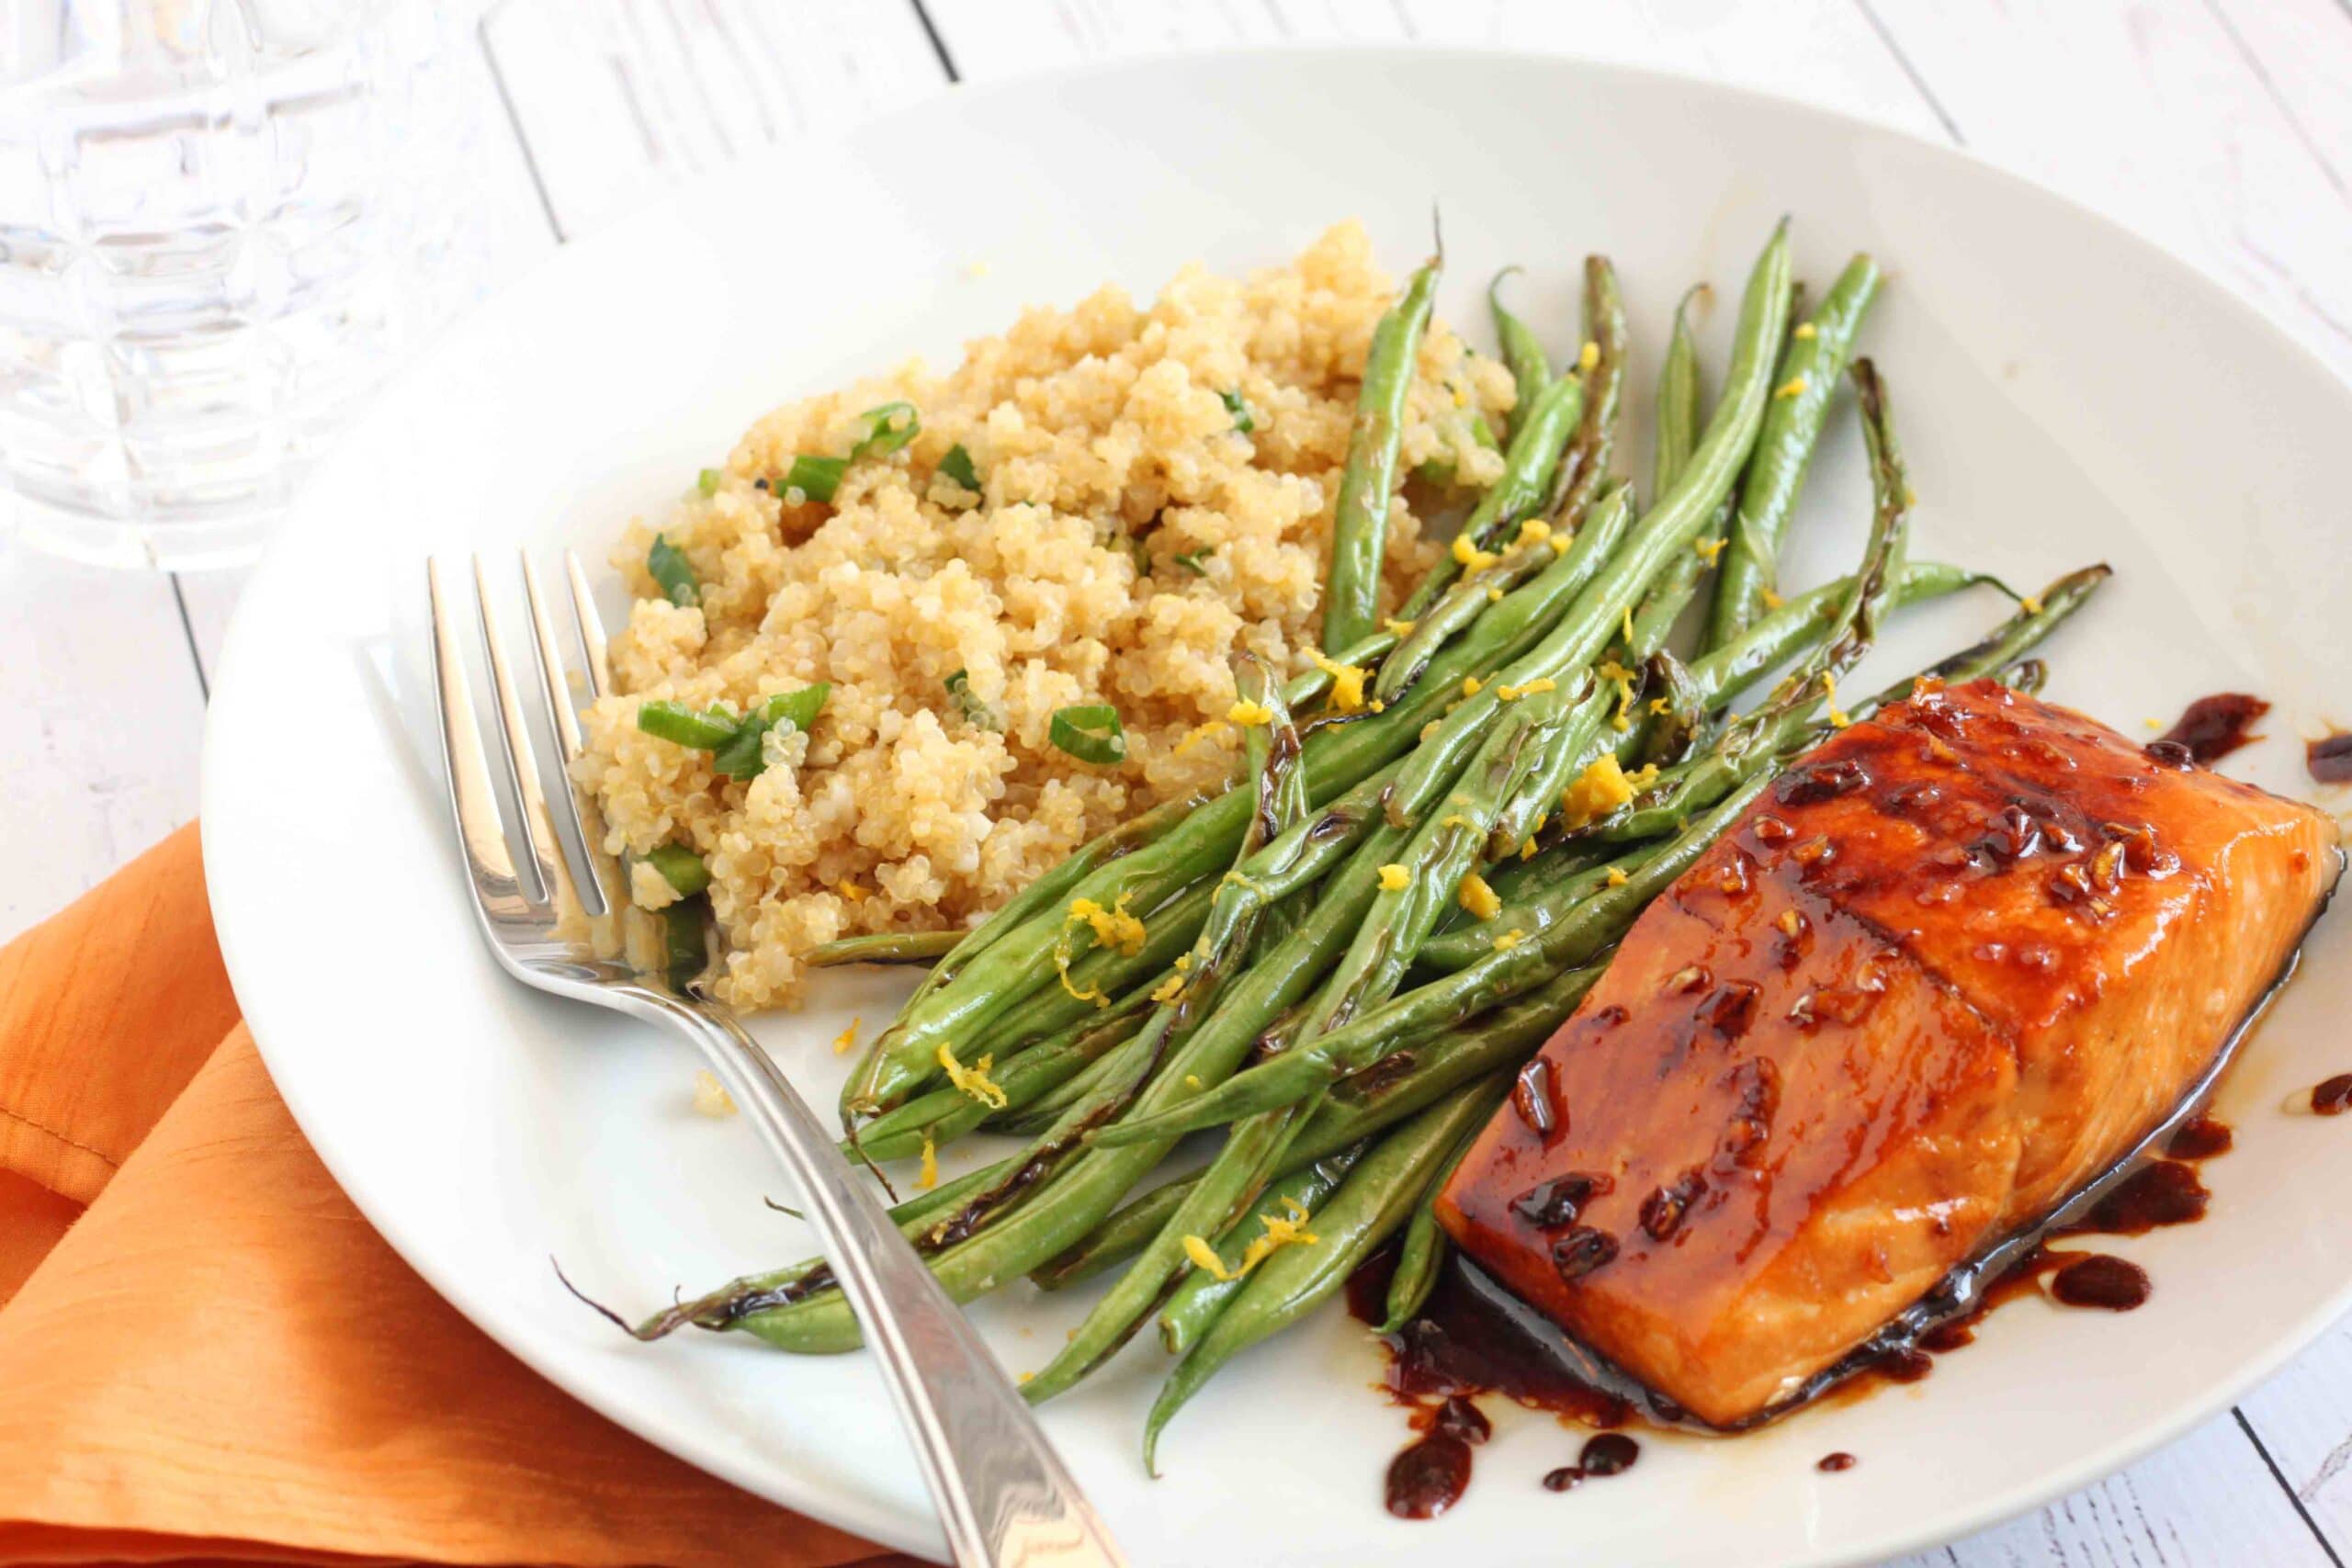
(2221, 128)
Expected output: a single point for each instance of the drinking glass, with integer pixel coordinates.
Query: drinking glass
(220, 222)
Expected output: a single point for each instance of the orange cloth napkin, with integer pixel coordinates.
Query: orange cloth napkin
(207, 1354)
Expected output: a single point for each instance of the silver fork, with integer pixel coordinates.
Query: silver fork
(1003, 1494)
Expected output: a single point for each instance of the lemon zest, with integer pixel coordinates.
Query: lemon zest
(1509, 939)
(1600, 789)
(1806, 331)
(1494, 596)
(850, 890)
(1114, 927)
(1395, 878)
(1541, 684)
(2030, 604)
(1838, 719)
(1629, 626)
(1470, 687)
(1527, 849)
(1661, 705)
(1771, 601)
(1587, 356)
(1470, 554)
(1249, 714)
(928, 1176)
(1480, 899)
(1709, 551)
(1061, 967)
(1166, 990)
(1793, 387)
(1559, 543)
(1398, 628)
(974, 1080)
(1281, 1231)
(1456, 820)
(1617, 675)
(1197, 734)
(1618, 878)
(1347, 680)
(846, 1038)
(1535, 531)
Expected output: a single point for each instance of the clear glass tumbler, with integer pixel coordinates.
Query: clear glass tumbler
(220, 222)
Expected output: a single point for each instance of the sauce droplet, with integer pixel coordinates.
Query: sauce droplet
(2212, 727)
(1609, 1453)
(2200, 1137)
(1428, 1477)
(2329, 758)
(2095, 1279)
(2333, 1096)
(2164, 1193)
(1832, 1463)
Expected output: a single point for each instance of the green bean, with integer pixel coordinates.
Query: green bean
(1771, 641)
(1044, 892)
(1678, 399)
(1576, 483)
(1440, 851)
(884, 947)
(1359, 528)
(1409, 1079)
(1775, 478)
(1195, 1303)
(753, 1293)
(1309, 1066)
(943, 1115)
(1168, 931)
(1536, 441)
(1531, 368)
(1545, 907)
(1422, 1252)
(1374, 1199)
(1461, 604)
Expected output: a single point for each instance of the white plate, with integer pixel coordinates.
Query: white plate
(2065, 392)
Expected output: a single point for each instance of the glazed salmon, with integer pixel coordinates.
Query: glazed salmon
(1945, 971)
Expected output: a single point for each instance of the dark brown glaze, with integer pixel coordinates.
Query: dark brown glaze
(1428, 1477)
(2200, 1137)
(2333, 1096)
(1830, 1464)
(2212, 727)
(1957, 963)
(2095, 1280)
(2329, 757)
(2161, 1193)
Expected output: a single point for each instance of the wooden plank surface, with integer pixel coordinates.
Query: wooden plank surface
(2221, 128)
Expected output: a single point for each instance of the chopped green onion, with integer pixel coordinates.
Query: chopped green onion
(678, 723)
(707, 482)
(744, 756)
(680, 867)
(959, 686)
(957, 466)
(801, 707)
(1243, 420)
(816, 477)
(672, 571)
(687, 948)
(1090, 732)
(1191, 560)
(888, 428)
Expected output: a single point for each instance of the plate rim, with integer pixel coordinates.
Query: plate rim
(682, 1439)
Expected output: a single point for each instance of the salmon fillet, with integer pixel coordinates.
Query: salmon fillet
(1941, 975)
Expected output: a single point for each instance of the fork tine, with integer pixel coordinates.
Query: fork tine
(522, 759)
(604, 886)
(591, 629)
(473, 801)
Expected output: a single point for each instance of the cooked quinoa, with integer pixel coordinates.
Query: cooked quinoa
(1126, 540)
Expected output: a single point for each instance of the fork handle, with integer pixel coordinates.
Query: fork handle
(1002, 1495)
